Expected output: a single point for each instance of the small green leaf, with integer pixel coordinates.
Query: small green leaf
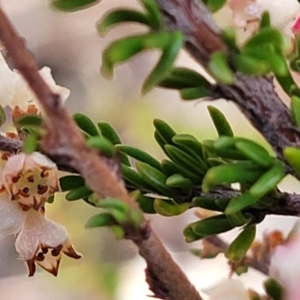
(239, 247)
(209, 203)
(120, 16)
(292, 155)
(103, 144)
(250, 65)
(295, 108)
(30, 143)
(254, 152)
(243, 172)
(219, 68)
(194, 93)
(169, 208)
(139, 155)
(237, 204)
(79, 193)
(29, 120)
(155, 178)
(274, 289)
(145, 203)
(155, 15)
(266, 35)
(165, 131)
(2, 116)
(108, 132)
(86, 124)
(178, 181)
(164, 65)
(72, 5)
(209, 226)
(265, 20)
(118, 232)
(220, 121)
(100, 220)
(269, 180)
(71, 182)
(214, 5)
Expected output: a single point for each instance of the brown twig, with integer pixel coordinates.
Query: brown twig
(254, 95)
(64, 139)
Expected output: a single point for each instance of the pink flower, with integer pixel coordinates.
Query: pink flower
(285, 265)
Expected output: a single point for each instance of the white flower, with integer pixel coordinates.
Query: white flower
(15, 92)
(285, 265)
(283, 14)
(11, 216)
(30, 179)
(227, 288)
(43, 241)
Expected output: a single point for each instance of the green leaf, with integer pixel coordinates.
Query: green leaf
(274, 289)
(86, 124)
(254, 152)
(178, 181)
(123, 49)
(72, 5)
(292, 155)
(237, 204)
(220, 121)
(209, 226)
(153, 11)
(70, 182)
(139, 155)
(164, 65)
(155, 178)
(243, 172)
(30, 143)
(100, 220)
(219, 68)
(214, 5)
(29, 120)
(103, 144)
(108, 132)
(129, 174)
(239, 247)
(185, 160)
(165, 131)
(194, 93)
(267, 35)
(169, 208)
(265, 20)
(295, 108)
(210, 203)
(269, 180)
(189, 144)
(250, 65)
(2, 116)
(145, 203)
(120, 16)
(180, 78)
(79, 193)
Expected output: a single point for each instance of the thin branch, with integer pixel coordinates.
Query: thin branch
(254, 95)
(64, 139)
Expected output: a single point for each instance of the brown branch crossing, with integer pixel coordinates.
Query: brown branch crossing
(64, 139)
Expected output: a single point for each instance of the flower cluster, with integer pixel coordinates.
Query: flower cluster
(284, 15)
(27, 181)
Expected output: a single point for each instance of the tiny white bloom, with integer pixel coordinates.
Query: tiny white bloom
(30, 179)
(15, 92)
(227, 288)
(11, 216)
(43, 241)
